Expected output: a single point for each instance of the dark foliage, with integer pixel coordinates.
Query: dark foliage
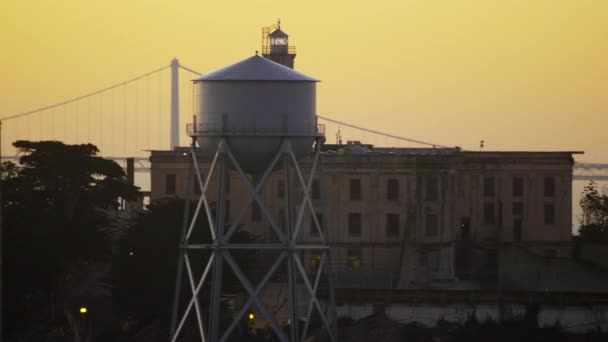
(594, 220)
(55, 202)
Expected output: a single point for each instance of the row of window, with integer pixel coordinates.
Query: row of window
(392, 187)
(489, 187)
(490, 217)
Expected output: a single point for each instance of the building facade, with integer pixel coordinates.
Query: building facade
(412, 217)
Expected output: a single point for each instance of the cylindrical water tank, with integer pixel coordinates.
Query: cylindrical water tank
(255, 104)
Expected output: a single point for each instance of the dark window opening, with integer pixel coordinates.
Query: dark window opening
(392, 225)
(549, 190)
(316, 189)
(353, 259)
(465, 227)
(518, 209)
(392, 190)
(549, 213)
(499, 214)
(354, 224)
(256, 211)
(432, 188)
(313, 227)
(282, 219)
(355, 189)
(170, 184)
(432, 260)
(315, 260)
(281, 188)
(431, 228)
(518, 186)
(488, 213)
(517, 229)
(488, 187)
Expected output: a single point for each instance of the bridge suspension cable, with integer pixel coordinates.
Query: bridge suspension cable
(382, 133)
(83, 96)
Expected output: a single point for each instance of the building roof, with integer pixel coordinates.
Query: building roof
(256, 68)
(278, 33)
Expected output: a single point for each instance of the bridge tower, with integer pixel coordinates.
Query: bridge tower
(174, 133)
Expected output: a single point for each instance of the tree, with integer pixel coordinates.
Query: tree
(594, 219)
(56, 203)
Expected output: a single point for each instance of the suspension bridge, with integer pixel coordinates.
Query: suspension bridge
(148, 112)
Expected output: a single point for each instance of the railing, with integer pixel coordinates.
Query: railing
(215, 129)
(288, 50)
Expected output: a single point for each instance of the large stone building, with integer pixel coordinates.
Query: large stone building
(414, 217)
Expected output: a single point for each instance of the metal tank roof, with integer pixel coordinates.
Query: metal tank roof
(256, 68)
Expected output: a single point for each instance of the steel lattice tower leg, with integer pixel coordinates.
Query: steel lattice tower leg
(221, 248)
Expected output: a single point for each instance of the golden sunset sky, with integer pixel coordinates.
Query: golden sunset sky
(522, 75)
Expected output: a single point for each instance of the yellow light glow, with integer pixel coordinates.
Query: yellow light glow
(83, 310)
(251, 316)
(131, 253)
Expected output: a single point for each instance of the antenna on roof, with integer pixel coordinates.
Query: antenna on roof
(279, 23)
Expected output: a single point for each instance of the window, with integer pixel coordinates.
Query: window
(431, 225)
(353, 259)
(170, 184)
(315, 260)
(465, 227)
(518, 209)
(282, 219)
(392, 190)
(316, 189)
(392, 225)
(432, 261)
(488, 213)
(549, 213)
(256, 211)
(281, 188)
(517, 229)
(432, 187)
(518, 186)
(488, 187)
(355, 189)
(549, 187)
(313, 227)
(227, 212)
(354, 224)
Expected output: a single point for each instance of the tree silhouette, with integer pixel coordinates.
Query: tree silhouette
(56, 202)
(594, 220)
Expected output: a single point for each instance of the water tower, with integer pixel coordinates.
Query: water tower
(257, 118)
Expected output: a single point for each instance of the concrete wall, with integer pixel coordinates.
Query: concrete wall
(521, 269)
(419, 259)
(571, 318)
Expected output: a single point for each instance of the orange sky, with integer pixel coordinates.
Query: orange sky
(522, 75)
